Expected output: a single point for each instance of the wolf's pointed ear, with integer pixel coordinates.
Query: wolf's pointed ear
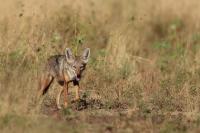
(86, 55)
(69, 55)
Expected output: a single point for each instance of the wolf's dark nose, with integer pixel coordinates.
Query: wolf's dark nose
(78, 76)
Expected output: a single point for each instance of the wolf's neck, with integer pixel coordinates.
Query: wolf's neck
(69, 71)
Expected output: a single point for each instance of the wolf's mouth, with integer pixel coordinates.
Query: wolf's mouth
(78, 77)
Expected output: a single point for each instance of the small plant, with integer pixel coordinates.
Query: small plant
(125, 70)
(160, 45)
(175, 24)
(67, 111)
(56, 38)
(77, 43)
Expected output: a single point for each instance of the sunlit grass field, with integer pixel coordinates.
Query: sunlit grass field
(143, 74)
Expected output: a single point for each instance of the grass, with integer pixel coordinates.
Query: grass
(143, 74)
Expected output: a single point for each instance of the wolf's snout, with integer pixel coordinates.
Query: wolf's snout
(78, 76)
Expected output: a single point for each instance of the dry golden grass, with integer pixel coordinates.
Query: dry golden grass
(144, 67)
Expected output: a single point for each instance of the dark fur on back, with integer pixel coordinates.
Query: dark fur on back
(55, 66)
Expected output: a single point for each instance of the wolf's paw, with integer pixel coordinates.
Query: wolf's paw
(59, 107)
(75, 100)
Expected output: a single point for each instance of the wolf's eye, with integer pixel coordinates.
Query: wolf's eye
(81, 67)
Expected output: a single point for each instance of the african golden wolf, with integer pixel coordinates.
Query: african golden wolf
(65, 69)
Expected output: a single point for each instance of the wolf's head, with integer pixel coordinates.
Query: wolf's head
(76, 64)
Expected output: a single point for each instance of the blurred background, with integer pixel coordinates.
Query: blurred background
(143, 74)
